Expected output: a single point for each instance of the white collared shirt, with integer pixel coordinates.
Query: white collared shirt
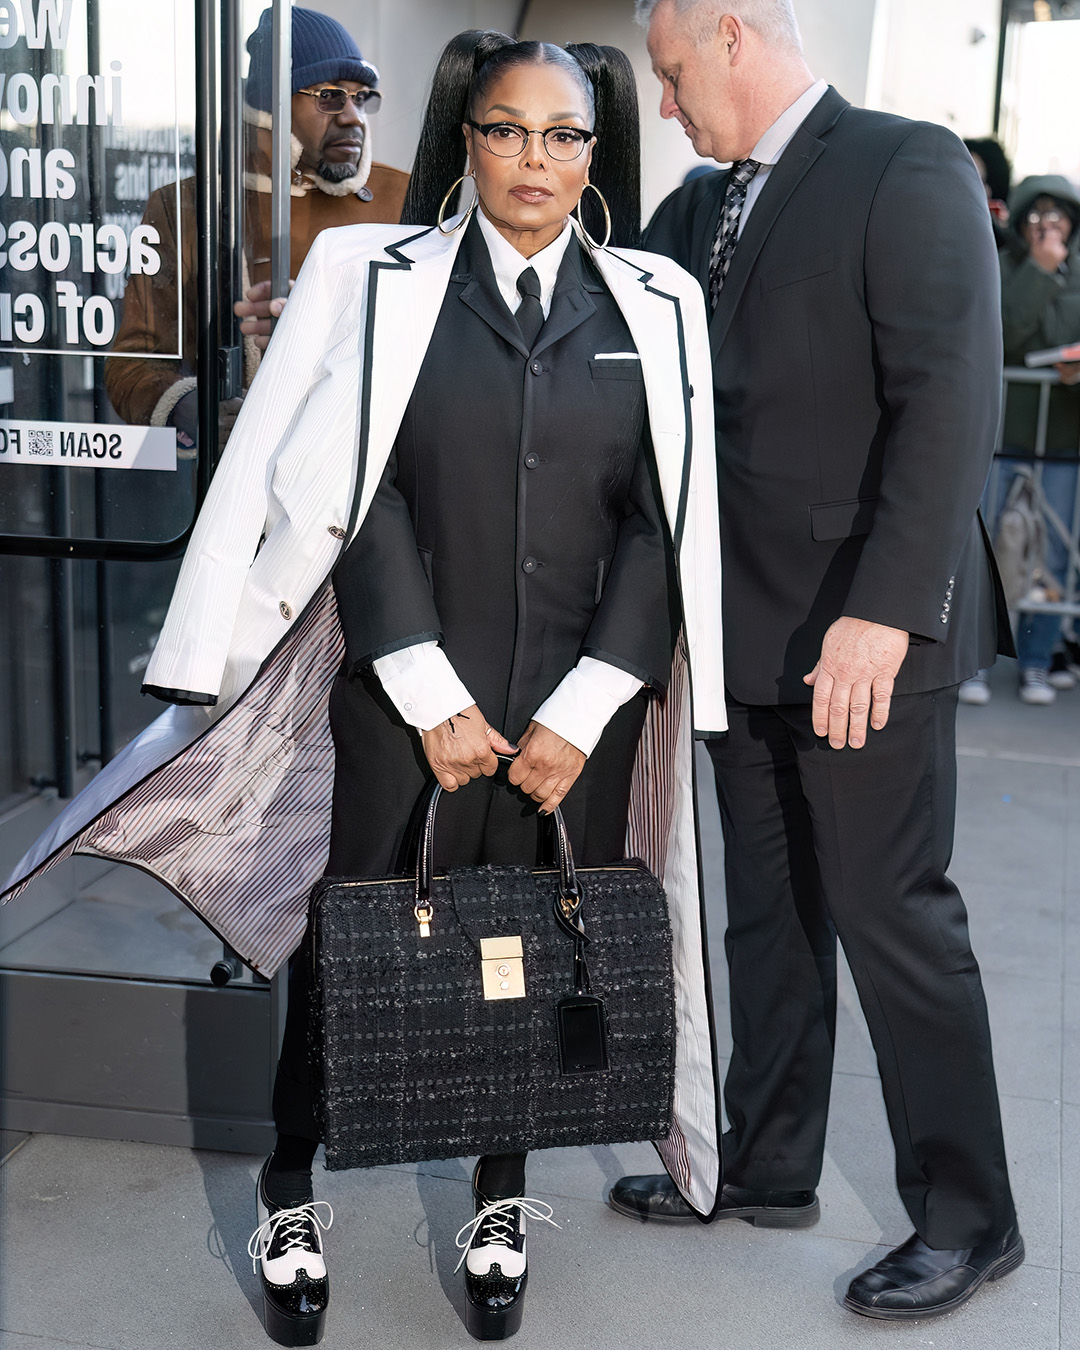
(508, 264)
(776, 140)
(420, 680)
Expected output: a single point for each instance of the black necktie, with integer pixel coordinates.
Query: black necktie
(530, 314)
(727, 231)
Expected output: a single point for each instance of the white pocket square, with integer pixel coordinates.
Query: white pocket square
(616, 356)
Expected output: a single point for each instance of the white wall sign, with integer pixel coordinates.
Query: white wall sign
(87, 445)
(67, 243)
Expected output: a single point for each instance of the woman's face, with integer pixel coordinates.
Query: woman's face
(528, 194)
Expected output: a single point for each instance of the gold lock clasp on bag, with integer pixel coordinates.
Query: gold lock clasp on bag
(503, 967)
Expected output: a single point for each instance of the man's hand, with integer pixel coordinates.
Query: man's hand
(1069, 371)
(854, 678)
(464, 747)
(547, 767)
(1048, 248)
(257, 310)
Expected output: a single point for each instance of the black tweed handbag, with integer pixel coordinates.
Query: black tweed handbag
(491, 1010)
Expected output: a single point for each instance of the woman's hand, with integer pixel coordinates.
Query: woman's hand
(464, 747)
(547, 767)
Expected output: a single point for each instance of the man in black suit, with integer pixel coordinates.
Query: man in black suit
(855, 332)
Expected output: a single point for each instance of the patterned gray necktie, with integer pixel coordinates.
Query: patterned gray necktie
(727, 231)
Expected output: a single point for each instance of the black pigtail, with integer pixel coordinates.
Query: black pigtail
(440, 153)
(616, 162)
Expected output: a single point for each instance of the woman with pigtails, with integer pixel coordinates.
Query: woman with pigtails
(520, 564)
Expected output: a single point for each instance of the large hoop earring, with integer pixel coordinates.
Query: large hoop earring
(446, 201)
(607, 218)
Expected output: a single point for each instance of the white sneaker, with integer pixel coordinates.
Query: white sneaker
(1035, 686)
(975, 691)
(1059, 674)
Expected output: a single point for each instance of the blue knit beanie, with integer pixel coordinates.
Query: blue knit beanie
(321, 50)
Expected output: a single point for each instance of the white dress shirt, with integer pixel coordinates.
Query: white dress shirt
(776, 140)
(420, 680)
(508, 264)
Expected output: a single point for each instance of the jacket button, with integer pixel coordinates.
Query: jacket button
(286, 609)
(944, 618)
(532, 460)
(336, 531)
(536, 367)
(529, 565)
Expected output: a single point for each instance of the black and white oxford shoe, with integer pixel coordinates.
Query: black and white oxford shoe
(286, 1250)
(496, 1266)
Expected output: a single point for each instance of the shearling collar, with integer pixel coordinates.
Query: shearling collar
(257, 176)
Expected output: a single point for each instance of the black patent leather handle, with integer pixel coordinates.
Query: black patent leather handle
(568, 906)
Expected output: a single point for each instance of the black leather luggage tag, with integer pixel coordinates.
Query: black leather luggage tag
(582, 1027)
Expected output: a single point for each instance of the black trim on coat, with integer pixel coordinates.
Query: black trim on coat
(402, 264)
(183, 698)
(688, 439)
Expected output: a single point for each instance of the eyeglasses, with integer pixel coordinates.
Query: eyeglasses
(508, 140)
(1046, 218)
(331, 101)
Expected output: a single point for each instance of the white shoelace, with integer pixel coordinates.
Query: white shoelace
(501, 1215)
(292, 1225)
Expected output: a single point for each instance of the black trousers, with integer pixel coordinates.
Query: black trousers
(379, 774)
(823, 843)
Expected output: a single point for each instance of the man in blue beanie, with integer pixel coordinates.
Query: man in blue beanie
(331, 143)
(334, 182)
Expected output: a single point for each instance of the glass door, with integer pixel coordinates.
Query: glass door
(121, 229)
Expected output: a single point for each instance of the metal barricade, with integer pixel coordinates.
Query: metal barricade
(1066, 530)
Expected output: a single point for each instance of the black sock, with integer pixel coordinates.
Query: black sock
(501, 1176)
(288, 1176)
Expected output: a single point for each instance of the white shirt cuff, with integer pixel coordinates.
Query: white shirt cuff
(422, 684)
(585, 701)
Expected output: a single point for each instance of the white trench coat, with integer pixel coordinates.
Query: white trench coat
(229, 805)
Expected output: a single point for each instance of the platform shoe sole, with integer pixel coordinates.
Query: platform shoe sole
(494, 1324)
(291, 1329)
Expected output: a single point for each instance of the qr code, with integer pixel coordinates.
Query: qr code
(39, 441)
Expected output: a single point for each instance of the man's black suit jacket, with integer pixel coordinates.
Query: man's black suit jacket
(857, 368)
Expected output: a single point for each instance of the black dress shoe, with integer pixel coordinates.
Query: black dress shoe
(496, 1266)
(286, 1250)
(656, 1199)
(915, 1280)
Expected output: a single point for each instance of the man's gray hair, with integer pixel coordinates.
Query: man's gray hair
(773, 20)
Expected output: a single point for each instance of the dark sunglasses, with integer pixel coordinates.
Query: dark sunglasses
(331, 101)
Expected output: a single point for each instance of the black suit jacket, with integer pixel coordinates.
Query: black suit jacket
(518, 521)
(857, 361)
